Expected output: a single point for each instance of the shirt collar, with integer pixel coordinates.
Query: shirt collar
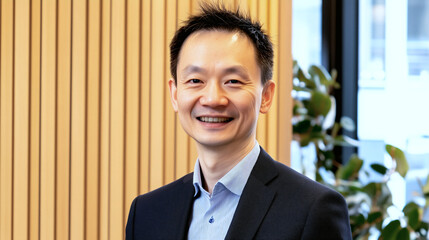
(236, 178)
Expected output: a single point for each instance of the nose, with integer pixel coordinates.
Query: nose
(213, 96)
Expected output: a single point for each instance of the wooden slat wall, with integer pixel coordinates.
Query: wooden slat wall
(86, 122)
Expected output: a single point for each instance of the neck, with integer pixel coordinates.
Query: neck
(216, 162)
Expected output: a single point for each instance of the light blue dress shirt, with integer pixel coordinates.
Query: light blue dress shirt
(212, 214)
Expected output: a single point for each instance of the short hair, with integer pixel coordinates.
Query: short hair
(217, 17)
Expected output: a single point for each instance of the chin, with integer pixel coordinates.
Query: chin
(213, 142)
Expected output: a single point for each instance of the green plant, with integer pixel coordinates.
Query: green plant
(314, 122)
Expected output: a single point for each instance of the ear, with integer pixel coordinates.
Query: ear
(173, 93)
(267, 96)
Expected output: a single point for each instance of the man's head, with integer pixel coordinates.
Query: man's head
(216, 17)
(217, 89)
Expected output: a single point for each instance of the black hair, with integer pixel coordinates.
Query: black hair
(217, 17)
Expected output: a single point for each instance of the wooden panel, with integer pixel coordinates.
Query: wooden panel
(6, 127)
(48, 121)
(261, 131)
(117, 126)
(253, 8)
(170, 118)
(145, 56)
(132, 103)
(272, 116)
(104, 214)
(86, 121)
(78, 123)
(285, 85)
(157, 100)
(21, 119)
(93, 120)
(63, 120)
(35, 121)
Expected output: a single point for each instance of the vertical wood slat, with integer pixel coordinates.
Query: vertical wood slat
(132, 102)
(48, 121)
(145, 58)
(78, 120)
(284, 88)
(21, 119)
(35, 120)
(157, 101)
(116, 204)
(63, 120)
(261, 132)
(6, 108)
(93, 114)
(170, 118)
(104, 214)
(95, 90)
(272, 116)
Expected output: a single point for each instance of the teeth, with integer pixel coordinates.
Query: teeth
(214, 119)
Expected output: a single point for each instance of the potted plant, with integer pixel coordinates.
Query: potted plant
(314, 124)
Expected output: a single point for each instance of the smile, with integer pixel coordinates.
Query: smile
(214, 119)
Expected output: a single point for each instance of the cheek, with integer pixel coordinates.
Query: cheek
(185, 101)
(249, 103)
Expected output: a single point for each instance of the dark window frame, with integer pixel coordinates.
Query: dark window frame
(340, 25)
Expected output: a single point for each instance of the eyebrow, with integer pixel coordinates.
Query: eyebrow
(237, 69)
(192, 69)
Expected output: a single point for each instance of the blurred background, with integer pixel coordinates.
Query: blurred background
(380, 49)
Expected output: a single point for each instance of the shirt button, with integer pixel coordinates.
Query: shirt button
(211, 220)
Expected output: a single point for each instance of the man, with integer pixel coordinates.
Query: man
(221, 65)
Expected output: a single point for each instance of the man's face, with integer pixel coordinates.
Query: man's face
(219, 93)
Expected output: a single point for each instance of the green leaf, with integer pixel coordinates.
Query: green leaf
(345, 141)
(374, 216)
(371, 189)
(351, 169)
(319, 104)
(323, 76)
(411, 210)
(399, 157)
(423, 229)
(379, 168)
(300, 75)
(302, 126)
(391, 230)
(384, 195)
(403, 234)
(357, 220)
(410, 207)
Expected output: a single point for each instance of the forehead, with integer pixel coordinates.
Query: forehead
(211, 47)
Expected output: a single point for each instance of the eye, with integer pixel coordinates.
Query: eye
(233, 81)
(195, 81)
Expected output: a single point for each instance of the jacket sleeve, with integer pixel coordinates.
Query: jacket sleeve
(129, 230)
(328, 218)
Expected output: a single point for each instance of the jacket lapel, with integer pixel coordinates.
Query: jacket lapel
(183, 210)
(255, 200)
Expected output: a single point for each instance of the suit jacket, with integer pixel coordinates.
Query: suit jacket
(276, 203)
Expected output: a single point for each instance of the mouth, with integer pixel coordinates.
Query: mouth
(215, 119)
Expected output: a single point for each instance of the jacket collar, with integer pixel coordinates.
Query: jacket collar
(183, 214)
(255, 200)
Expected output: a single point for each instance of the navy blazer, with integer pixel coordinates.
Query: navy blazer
(276, 203)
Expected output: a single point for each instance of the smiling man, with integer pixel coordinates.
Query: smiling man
(221, 66)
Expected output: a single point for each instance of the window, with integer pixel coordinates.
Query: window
(307, 32)
(307, 49)
(393, 93)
